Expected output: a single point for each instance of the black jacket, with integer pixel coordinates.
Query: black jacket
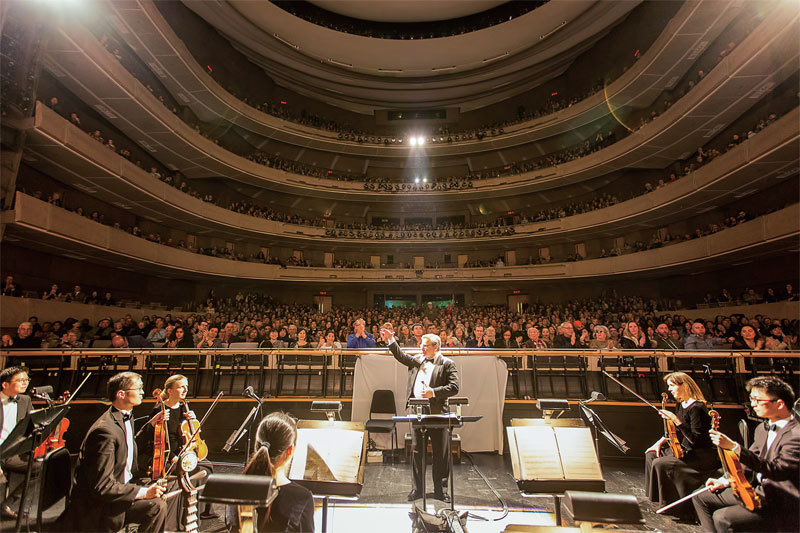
(444, 380)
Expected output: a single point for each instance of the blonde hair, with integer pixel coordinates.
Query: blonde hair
(681, 378)
(172, 380)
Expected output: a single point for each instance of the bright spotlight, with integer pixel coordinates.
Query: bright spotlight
(413, 141)
(420, 140)
(416, 180)
(424, 180)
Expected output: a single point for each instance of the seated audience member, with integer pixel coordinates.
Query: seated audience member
(535, 341)
(133, 341)
(302, 340)
(77, 295)
(211, 339)
(456, 340)
(293, 508)
(697, 340)
(601, 340)
(773, 461)
(662, 339)
(507, 341)
(329, 342)
(775, 339)
(15, 407)
(72, 339)
(105, 496)
(480, 340)
(273, 341)
(52, 294)
(159, 333)
(417, 331)
(633, 338)
(748, 339)
(24, 339)
(566, 337)
(179, 339)
(11, 287)
(360, 338)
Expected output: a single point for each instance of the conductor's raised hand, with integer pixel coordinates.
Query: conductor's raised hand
(387, 335)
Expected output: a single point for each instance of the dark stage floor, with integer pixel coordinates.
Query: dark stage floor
(386, 486)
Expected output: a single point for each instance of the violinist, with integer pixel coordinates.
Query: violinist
(176, 410)
(773, 458)
(668, 477)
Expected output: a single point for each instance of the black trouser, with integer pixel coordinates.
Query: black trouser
(150, 514)
(438, 439)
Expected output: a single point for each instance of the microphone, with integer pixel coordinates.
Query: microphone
(596, 396)
(42, 392)
(250, 393)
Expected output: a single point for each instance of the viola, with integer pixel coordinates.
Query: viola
(55, 440)
(734, 472)
(160, 441)
(190, 430)
(670, 431)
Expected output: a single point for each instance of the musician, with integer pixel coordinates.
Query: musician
(15, 407)
(105, 496)
(774, 458)
(668, 478)
(293, 508)
(430, 375)
(174, 393)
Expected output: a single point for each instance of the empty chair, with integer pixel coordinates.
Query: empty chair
(382, 403)
(55, 482)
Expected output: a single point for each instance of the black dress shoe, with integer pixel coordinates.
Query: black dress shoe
(442, 497)
(414, 495)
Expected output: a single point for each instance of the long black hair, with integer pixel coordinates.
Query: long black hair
(276, 433)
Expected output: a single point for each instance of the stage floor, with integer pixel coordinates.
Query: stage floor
(382, 505)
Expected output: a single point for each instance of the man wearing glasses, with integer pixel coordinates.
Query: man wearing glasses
(15, 406)
(105, 497)
(773, 458)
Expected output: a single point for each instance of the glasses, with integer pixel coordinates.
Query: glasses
(24, 380)
(139, 389)
(756, 400)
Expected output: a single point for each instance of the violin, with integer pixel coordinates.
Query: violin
(742, 489)
(160, 441)
(55, 440)
(190, 430)
(670, 431)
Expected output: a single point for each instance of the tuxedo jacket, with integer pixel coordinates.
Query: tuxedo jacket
(444, 380)
(100, 496)
(23, 408)
(779, 467)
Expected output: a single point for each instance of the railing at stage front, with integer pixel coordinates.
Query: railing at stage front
(329, 373)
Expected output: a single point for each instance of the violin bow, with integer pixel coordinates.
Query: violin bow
(621, 384)
(190, 440)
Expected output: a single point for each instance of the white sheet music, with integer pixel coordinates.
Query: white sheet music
(338, 449)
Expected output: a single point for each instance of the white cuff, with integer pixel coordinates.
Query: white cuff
(141, 494)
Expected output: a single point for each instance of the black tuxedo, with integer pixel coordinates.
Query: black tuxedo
(444, 382)
(101, 500)
(14, 467)
(779, 469)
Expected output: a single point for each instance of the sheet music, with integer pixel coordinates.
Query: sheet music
(327, 455)
(538, 453)
(577, 453)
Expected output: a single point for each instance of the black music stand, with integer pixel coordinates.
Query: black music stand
(26, 436)
(600, 428)
(424, 423)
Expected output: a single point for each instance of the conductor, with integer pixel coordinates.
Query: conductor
(430, 375)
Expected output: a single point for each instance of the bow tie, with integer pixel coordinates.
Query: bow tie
(13, 399)
(126, 417)
(773, 427)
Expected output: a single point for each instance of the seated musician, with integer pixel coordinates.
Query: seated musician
(176, 411)
(668, 478)
(293, 508)
(105, 496)
(773, 458)
(15, 407)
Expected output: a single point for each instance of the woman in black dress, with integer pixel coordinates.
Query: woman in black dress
(668, 478)
(293, 508)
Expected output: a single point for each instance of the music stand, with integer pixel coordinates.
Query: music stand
(424, 423)
(26, 436)
(602, 429)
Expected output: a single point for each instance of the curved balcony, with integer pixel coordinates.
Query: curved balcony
(766, 58)
(686, 36)
(66, 153)
(48, 228)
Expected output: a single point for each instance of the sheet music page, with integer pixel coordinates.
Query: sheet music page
(577, 453)
(327, 455)
(538, 453)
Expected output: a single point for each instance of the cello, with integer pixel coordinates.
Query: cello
(742, 489)
(160, 440)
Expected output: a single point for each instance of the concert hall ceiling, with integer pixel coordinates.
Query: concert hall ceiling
(362, 74)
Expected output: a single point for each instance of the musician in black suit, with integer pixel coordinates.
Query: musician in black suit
(105, 497)
(430, 375)
(773, 458)
(15, 406)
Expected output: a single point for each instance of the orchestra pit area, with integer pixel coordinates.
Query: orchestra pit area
(481, 266)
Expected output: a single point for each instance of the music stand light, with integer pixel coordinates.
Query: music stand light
(598, 507)
(239, 489)
(332, 409)
(419, 404)
(550, 406)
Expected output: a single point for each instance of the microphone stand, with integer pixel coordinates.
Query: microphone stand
(245, 427)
